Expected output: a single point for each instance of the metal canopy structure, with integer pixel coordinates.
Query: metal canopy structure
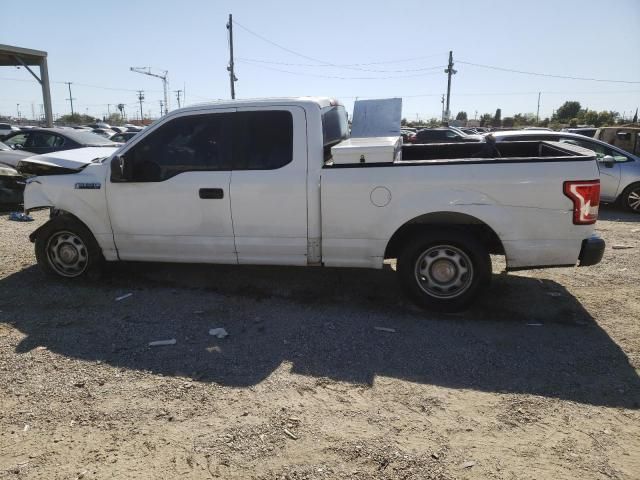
(25, 57)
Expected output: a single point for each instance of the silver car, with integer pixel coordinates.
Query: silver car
(619, 170)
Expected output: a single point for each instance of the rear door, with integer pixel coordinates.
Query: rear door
(269, 185)
(176, 207)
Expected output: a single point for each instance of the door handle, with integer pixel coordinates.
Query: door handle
(211, 193)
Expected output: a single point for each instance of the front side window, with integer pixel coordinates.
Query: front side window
(263, 140)
(600, 150)
(184, 144)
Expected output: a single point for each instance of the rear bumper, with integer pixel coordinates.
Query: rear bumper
(591, 251)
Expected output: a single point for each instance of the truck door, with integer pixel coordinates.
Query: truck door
(269, 185)
(174, 204)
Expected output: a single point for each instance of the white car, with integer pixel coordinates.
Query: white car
(619, 170)
(6, 129)
(278, 182)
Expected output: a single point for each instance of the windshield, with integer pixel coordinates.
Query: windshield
(335, 126)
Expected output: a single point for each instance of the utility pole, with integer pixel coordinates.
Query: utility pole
(18, 110)
(178, 92)
(449, 71)
(538, 111)
(232, 76)
(475, 117)
(70, 96)
(165, 82)
(140, 99)
(161, 107)
(442, 102)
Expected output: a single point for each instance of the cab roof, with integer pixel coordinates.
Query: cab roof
(320, 101)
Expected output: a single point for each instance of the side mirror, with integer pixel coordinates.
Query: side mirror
(608, 161)
(118, 171)
(17, 146)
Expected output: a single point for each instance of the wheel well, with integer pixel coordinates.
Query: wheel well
(429, 221)
(628, 187)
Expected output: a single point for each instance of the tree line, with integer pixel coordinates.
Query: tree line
(570, 113)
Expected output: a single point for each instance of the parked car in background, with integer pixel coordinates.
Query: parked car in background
(625, 137)
(46, 140)
(11, 186)
(11, 157)
(99, 125)
(408, 136)
(123, 137)
(445, 135)
(104, 132)
(118, 129)
(6, 129)
(134, 128)
(586, 131)
(619, 170)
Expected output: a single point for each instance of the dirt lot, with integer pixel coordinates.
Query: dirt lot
(540, 380)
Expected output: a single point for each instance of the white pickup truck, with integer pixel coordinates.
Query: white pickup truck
(279, 182)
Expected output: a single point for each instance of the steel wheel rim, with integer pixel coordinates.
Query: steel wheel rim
(444, 271)
(67, 254)
(633, 199)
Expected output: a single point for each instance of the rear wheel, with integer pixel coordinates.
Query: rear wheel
(66, 248)
(630, 198)
(444, 270)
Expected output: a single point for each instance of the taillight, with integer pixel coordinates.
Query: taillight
(585, 196)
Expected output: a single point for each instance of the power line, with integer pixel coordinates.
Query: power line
(567, 77)
(256, 60)
(305, 74)
(345, 64)
(307, 57)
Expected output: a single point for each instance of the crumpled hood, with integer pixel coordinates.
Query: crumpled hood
(65, 161)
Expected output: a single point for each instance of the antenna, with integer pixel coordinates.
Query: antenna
(165, 82)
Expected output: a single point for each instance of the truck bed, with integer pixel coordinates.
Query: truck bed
(518, 195)
(470, 153)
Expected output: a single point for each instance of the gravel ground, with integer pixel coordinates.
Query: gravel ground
(539, 380)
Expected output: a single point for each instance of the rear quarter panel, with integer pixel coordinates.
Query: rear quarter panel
(523, 203)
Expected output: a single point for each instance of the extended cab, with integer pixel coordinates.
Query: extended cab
(280, 182)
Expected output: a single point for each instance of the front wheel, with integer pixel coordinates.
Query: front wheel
(66, 248)
(444, 270)
(630, 198)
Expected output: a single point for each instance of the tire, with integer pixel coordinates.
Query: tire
(630, 198)
(66, 248)
(444, 270)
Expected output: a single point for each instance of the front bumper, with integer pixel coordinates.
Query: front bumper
(591, 251)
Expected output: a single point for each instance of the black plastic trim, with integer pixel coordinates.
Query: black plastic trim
(211, 193)
(416, 163)
(592, 251)
(535, 267)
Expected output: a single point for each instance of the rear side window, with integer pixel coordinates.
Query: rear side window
(263, 140)
(335, 125)
(184, 144)
(18, 139)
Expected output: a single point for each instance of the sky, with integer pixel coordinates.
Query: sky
(343, 49)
